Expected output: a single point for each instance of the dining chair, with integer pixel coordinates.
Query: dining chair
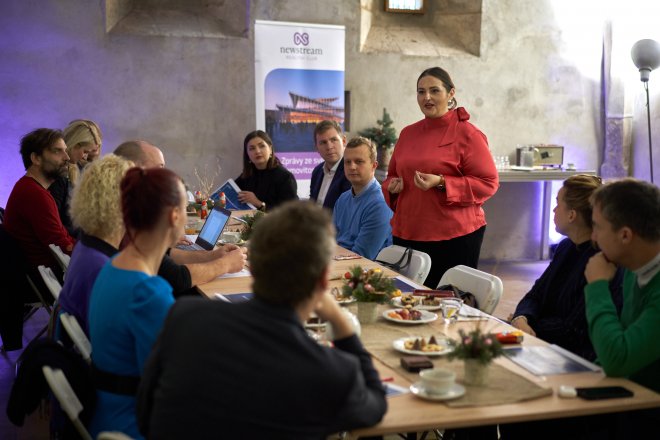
(113, 435)
(408, 262)
(486, 288)
(77, 335)
(62, 259)
(67, 398)
(51, 281)
(72, 406)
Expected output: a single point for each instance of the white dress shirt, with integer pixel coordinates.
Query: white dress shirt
(328, 175)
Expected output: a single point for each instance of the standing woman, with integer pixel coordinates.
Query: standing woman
(265, 183)
(129, 301)
(440, 175)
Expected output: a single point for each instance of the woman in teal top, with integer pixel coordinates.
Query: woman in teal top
(129, 301)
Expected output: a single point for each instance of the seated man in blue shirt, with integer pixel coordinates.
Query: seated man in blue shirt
(361, 216)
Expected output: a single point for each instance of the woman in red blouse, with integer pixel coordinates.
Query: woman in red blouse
(440, 175)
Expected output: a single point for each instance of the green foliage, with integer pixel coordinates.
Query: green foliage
(250, 221)
(368, 285)
(483, 347)
(384, 134)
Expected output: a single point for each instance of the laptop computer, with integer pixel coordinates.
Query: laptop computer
(213, 226)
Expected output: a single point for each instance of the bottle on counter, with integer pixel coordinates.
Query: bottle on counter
(223, 200)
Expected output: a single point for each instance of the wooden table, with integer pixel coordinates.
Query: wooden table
(338, 269)
(407, 413)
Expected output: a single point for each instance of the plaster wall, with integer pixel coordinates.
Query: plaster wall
(194, 97)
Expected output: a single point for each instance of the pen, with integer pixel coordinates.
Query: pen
(387, 379)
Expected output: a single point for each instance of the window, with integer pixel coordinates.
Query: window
(405, 6)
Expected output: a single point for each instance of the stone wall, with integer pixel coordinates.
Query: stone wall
(194, 96)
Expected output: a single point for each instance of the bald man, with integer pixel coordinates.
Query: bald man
(184, 269)
(141, 153)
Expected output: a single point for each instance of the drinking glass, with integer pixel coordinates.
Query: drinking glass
(450, 308)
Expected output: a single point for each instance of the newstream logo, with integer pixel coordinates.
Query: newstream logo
(301, 39)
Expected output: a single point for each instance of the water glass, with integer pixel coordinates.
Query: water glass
(450, 308)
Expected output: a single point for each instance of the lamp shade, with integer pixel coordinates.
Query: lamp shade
(646, 56)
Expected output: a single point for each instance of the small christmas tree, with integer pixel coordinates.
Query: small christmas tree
(384, 135)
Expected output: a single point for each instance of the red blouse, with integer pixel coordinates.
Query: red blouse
(455, 148)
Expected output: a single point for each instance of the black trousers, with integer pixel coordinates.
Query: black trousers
(446, 254)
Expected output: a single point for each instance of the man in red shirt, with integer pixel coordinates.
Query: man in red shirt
(31, 215)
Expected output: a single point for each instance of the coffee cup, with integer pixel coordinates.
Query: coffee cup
(437, 380)
(231, 237)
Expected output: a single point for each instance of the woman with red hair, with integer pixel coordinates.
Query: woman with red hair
(129, 300)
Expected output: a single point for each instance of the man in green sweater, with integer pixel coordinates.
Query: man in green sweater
(626, 227)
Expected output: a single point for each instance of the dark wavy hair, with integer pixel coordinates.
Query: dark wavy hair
(146, 194)
(443, 76)
(248, 166)
(36, 142)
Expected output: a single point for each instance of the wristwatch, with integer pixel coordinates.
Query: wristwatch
(441, 187)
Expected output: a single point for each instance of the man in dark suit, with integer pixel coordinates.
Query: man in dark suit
(249, 369)
(328, 178)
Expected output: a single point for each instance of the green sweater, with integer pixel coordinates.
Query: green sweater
(627, 347)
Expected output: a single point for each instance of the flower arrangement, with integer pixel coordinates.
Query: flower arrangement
(477, 345)
(249, 222)
(368, 285)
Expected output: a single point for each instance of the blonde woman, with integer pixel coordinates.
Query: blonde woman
(82, 137)
(96, 210)
(554, 309)
(83, 141)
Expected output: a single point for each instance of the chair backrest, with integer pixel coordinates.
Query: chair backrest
(64, 394)
(51, 281)
(417, 270)
(486, 288)
(77, 335)
(62, 258)
(112, 435)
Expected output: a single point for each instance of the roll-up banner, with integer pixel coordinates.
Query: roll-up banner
(299, 81)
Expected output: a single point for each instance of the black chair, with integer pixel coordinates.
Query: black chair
(20, 296)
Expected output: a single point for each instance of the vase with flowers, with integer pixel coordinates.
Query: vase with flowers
(370, 288)
(477, 349)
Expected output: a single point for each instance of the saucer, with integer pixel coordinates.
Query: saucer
(454, 392)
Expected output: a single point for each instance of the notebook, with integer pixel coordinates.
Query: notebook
(211, 231)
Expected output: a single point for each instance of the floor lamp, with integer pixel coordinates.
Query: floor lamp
(646, 56)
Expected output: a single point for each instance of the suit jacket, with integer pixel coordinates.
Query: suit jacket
(250, 370)
(338, 185)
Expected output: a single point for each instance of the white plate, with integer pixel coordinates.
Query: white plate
(399, 345)
(238, 243)
(396, 302)
(454, 392)
(426, 317)
(345, 301)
